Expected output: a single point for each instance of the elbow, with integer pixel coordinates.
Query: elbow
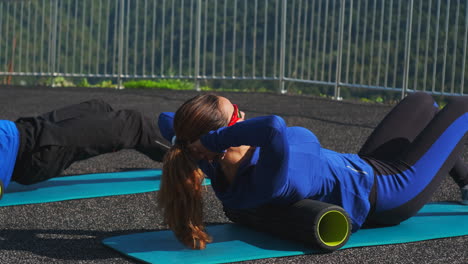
(277, 123)
(165, 124)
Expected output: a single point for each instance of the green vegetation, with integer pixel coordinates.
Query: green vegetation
(361, 95)
(55, 82)
(172, 84)
(65, 82)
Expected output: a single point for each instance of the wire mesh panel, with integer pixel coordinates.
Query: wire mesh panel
(376, 44)
(391, 44)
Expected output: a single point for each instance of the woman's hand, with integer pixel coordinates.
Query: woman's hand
(199, 152)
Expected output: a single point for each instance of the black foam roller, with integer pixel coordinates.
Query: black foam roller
(320, 225)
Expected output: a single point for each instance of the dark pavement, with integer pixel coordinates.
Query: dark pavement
(71, 231)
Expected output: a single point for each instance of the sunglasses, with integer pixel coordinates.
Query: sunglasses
(236, 115)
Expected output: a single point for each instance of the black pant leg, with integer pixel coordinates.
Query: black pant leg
(432, 154)
(57, 145)
(44, 163)
(459, 173)
(108, 132)
(400, 126)
(77, 110)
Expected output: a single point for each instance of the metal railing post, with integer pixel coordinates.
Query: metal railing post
(465, 44)
(283, 48)
(197, 45)
(407, 49)
(120, 45)
(340, 52)
(54, 30)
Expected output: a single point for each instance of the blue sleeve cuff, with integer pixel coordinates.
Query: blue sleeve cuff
(166, 125)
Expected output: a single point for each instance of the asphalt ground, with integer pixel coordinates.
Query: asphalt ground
(71, 231)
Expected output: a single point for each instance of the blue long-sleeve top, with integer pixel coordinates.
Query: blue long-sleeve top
(287, 165)
(9, 144)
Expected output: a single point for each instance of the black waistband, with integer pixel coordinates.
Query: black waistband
(373, 196)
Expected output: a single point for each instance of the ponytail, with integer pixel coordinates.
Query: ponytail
(180, 197)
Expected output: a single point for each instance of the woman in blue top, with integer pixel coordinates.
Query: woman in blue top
(262, 161)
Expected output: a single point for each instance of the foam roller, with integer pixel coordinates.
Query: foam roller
(320, 225)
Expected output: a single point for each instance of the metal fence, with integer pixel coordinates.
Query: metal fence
(399, 45)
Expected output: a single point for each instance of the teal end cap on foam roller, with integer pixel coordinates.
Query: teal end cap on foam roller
(322, 226)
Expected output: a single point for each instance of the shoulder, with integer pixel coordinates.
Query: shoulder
(273, 121)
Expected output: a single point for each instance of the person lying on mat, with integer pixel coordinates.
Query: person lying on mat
(34, 149)
(261, 160)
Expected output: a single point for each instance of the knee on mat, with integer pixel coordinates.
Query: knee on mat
(422, 99)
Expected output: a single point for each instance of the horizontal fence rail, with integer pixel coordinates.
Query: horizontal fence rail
(399, 45)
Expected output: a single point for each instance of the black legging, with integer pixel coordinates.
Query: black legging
(51, 142)
(403, 151)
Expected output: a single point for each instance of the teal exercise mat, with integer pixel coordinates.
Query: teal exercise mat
(83, 186)
(232, 242)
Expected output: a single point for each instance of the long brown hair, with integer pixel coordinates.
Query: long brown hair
(180, 194)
